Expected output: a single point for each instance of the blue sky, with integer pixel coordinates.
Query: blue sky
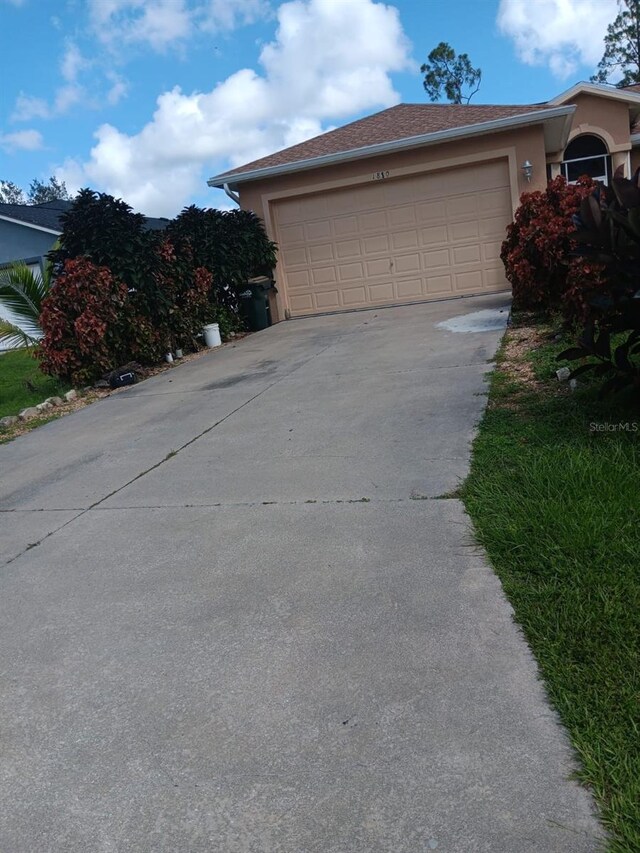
(146, 99)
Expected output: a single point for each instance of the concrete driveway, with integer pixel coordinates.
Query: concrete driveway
(238, 612)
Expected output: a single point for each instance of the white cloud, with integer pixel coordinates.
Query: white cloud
(66, 96)
(225, 15)
(563, 34)
(161, 24)
(329, 60)
(27, 108)
(119, 88)
(21, 140)
(158, 23)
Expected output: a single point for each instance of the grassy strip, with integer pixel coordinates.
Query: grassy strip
(555, 499)
(22, 384)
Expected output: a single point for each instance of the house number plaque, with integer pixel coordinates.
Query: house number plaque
(380, 176)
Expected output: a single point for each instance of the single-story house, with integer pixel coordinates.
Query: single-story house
(29, 231)
(412, 203)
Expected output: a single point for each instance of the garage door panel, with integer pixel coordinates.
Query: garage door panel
(430, 212)
(292, 234)
(407, 263)
(497, 201)
(439, 284)
(423, 237)
(469, 281)
(323, 252)
(404, 240)
(353, 296)
(318, 230)
(348, 249)
(462, 207)
(350, 272)
(410, 288)
(464, 230)
(299, 279)
(493, 227)
(466, 254)
(435, 235)
(492, 250)
(294, 257)
(374, 245)
(345, 226)
(382, 292)
(327, 300)
(439, 258)
(402, 216)
(301, 304)
(379, 266)
(494, 278)
(375, 221)
(324, 275)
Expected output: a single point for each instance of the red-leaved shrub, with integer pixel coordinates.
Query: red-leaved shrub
(537, 250)
(83, 320)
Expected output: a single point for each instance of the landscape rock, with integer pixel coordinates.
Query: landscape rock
(563, 374)
(44, 407)
(54, 401)
(101, 383)
(87, 389)
(9, 420)
(27, 414)
(71, 395)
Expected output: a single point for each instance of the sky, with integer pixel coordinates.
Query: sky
(146, 99)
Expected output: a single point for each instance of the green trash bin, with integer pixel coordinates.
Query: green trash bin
(254, 302)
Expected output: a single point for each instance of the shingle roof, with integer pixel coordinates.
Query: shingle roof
(46, 215)
(49, 213)
(395, 123)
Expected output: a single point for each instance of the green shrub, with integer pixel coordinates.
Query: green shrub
(607, 234)
(141, 293)
(231, 244)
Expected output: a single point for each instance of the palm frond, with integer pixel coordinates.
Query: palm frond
(21, 293)
(13, 337)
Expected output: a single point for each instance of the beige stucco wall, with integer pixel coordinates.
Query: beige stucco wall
(603, 117)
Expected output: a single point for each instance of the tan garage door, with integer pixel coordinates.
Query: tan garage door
(392, 241)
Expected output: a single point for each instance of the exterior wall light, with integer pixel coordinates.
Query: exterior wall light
(527, 170)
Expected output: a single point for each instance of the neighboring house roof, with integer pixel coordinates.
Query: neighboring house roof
(402, 125)
(48, 216)
(156, 224)
(45, 215)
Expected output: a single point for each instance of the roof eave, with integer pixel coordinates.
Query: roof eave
(557, 121)
(29, 224)
(600, 90)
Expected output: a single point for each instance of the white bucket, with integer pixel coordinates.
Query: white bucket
(212, 335)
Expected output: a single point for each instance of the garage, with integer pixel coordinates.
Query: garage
(430, 236)
(409, 204)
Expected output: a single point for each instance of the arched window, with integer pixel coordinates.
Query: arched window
(586, 155)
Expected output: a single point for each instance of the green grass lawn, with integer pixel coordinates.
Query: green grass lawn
(555, 499)
(22, 384)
